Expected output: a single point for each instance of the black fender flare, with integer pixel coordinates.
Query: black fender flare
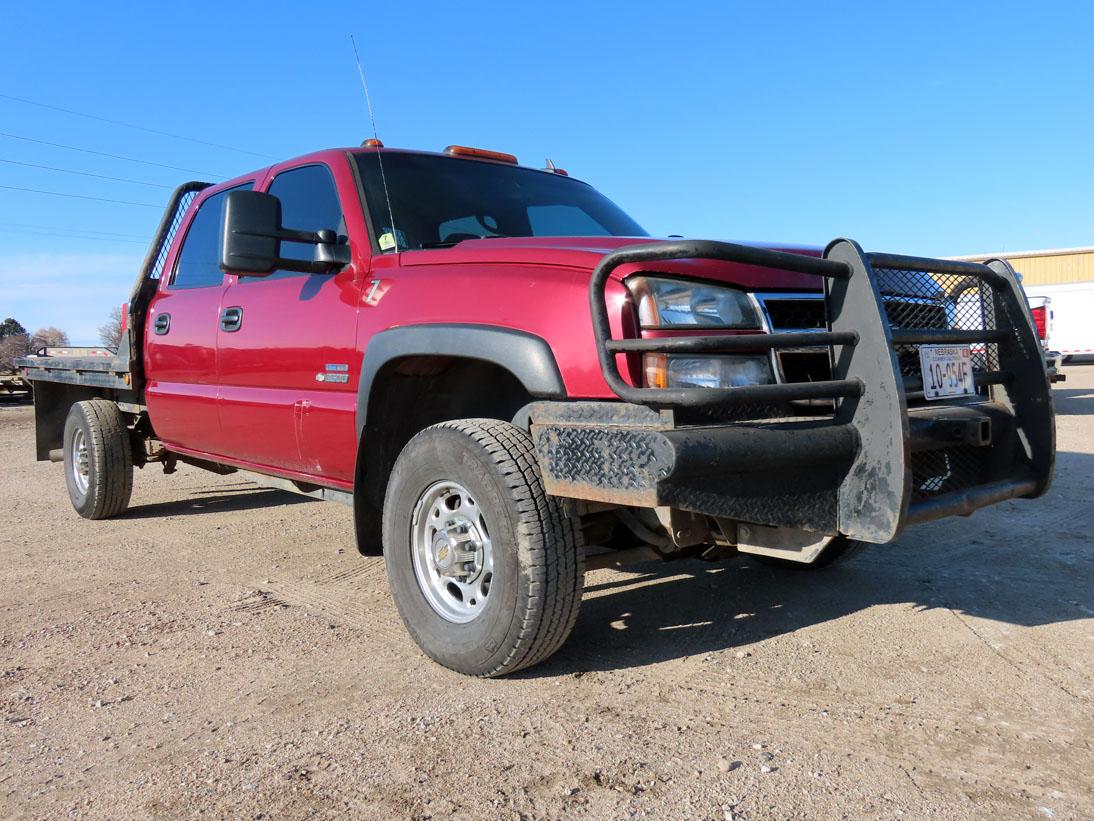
(527, 356)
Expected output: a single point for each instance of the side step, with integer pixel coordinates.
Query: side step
(323, 494)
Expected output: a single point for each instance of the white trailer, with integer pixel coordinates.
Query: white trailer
(1068, 317)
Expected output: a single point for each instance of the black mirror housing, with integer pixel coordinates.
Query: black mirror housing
(250, 240)
(251, 236)
(329, 253)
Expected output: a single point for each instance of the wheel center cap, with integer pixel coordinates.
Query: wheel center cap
(455, 551)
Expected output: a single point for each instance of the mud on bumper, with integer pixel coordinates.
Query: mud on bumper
(876, 458)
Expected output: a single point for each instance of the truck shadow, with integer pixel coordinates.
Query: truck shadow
(1022, 563)
(223, 499)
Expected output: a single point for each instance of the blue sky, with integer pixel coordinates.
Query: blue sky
(931, 128)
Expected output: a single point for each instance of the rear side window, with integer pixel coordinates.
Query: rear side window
(309, 202)
(198, 265)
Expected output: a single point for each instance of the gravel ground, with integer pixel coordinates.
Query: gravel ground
(222, 650)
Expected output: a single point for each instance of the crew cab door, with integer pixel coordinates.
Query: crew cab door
(181, 335)
(286, 353)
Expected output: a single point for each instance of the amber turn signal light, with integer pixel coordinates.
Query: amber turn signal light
(655, 368)
(480, 154)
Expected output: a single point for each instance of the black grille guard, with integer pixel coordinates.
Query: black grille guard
(871, 385)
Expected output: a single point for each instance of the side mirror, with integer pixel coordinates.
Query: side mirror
(251, 236)
(250, 233)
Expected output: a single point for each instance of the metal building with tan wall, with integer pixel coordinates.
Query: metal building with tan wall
(1057, 266)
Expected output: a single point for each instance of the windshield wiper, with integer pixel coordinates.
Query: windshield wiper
(448, 243)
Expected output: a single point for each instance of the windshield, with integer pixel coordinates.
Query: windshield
(438, 201)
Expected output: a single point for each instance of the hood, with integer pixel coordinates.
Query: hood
(586, 252)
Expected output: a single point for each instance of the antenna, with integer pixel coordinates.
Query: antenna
(379, 146)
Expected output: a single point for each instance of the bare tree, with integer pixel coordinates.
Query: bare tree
(14, 345)
(11, 347)
(110, 334)
(50, 337)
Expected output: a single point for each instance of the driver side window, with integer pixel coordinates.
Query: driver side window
(309, 201)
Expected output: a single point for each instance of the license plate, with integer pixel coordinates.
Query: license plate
(947, 371)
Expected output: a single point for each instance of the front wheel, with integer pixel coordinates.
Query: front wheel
(485, 568)
(98, 459)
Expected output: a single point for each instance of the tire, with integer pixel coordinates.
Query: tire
(840, 549)
(98, 459)
(478, 480)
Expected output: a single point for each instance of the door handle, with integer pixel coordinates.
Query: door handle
(231, 319)
(162, 324)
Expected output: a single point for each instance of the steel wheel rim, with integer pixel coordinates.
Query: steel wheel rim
(81, 461)
(451, 551)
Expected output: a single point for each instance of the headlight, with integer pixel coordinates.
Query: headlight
(687, 371)
(675, 303)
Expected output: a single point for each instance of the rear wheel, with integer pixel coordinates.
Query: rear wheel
(485, 568)
(840, 549)
(98, 459)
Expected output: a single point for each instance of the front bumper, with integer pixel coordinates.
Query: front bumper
(881, 458)
(787, 474)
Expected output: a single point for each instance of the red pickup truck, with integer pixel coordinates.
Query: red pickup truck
(510, 382)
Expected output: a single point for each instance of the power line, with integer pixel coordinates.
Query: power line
(79, 196)
(57, 233)
(9, 224)
(105, 154)
(136, 127)
(85, 173)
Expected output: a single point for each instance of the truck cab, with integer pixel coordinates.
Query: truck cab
(231, 355)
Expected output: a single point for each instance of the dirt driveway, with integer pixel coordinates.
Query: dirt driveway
(223, 650)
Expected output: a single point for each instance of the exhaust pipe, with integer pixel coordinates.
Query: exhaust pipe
(57, 455)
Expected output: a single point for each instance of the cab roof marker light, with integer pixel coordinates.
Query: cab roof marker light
(372, 142)
(480, 154)
(554, 169)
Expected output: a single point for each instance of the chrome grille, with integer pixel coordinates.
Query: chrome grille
(913, 300)
(806, 312)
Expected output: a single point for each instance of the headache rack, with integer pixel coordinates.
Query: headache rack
(64, 376)
(900, 458)
(120, 369)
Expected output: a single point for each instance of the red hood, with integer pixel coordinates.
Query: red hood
(586, 252)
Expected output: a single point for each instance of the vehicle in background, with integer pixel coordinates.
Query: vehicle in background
(1040, 308)
(511, 382)
(963, 302)
(1067, 311)
(15, 387)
